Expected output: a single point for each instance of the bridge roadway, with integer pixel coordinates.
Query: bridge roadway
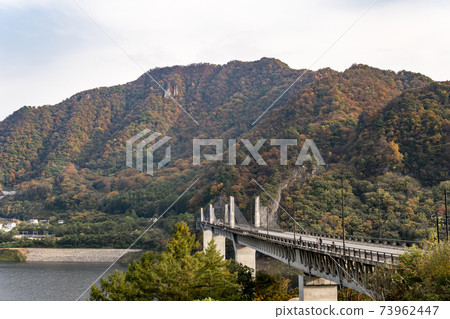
(382, 249)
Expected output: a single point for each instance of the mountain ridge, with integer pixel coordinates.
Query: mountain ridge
(68, 160)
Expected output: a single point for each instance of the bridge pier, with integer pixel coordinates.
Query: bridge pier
(219, 240)
(246, 256)
(220, 243)
(313, 288)
(208, 235)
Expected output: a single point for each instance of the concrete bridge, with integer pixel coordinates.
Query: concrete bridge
(325, 265)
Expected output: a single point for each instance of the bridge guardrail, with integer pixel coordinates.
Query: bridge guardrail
(384, 241)
(362, 239)
(365, 254)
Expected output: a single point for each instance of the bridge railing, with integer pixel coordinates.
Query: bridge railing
(362, 239)
(364, 254)
(354, 238)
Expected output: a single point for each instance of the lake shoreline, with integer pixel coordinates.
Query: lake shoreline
(75, 255)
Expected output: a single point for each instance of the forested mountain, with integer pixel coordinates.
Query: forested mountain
(386, 133)
(410, 135)
(90, 128)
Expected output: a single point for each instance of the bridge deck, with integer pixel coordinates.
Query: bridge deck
(338, 243)
(369, 253)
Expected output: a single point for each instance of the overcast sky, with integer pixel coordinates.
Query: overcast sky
(50, 49)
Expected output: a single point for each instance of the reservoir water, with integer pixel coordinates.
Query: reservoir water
(32, 281)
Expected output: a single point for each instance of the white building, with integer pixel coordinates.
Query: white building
(9, 227)
(33, 222)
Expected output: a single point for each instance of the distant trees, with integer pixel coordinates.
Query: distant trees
(409, 135)
(5, 237)
(390, 206)
(421, 275)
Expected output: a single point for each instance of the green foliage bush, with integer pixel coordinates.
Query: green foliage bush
(11, 255)
(422, 275)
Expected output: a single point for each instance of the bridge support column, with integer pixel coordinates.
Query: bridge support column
(232, 207)
(257, 213)
(207, 237)
(316, 289)
(219, 240)
(220, 243)
(246, 256)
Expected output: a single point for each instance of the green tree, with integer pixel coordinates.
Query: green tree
(245, 279)
(272, 288)
(175, 274)
(420, 275)
(116, 288)
(214, 277)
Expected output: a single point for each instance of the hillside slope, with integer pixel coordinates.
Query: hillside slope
(68, 160)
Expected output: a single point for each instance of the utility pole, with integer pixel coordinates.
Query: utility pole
(251, 216)
(446, 213)
(293, 215)
(437, 227)
(342, 211)
(379, 213)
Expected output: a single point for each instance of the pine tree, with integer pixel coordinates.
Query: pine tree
(214, 278)
(175, 274)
